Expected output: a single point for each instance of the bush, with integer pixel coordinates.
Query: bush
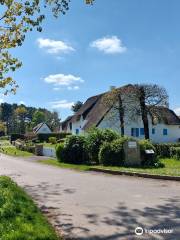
(175, 152)
(4, 138)
(52, 140)
(95, 138)
(74, 150)
(44, 137)
(112, 153)
(16, 136)
(164, 149)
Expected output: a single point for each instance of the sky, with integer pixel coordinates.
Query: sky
(91, 48)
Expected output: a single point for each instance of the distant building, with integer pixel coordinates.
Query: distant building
(42, 128)
(66, 125)
(163, 127)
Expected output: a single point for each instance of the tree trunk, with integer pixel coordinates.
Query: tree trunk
(121, 115)
(144, 113)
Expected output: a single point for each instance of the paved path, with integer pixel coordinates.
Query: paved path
(85, 205)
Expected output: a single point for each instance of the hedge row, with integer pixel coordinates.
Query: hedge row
(164, 149)
(99, 147)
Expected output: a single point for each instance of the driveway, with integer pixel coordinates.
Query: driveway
(87, 205)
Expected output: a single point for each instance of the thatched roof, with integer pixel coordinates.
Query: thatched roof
(94, 110)
(165, 115)
(86, 108)
(64, 124)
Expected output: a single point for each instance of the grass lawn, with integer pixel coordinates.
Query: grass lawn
(20, 217)
(7, 148)
(172, 167)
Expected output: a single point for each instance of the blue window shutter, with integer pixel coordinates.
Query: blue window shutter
(137, 132)
(142, 131)
(132, 132)
(165, 132)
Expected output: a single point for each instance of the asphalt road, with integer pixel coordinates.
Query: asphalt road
(86, 205)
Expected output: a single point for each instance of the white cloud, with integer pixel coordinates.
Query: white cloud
(1, 100)
(61, 80)
(61, 104)
(22, 102)
(53, 46)
(109, 45)
(177, 111)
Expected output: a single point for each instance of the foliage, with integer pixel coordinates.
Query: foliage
(112, 153)
(59, 151)
(52, 140)
(175, 152)
(16, 20)
(76, 106)
(20, 217)
(16, 136)
(38, 117)
(164, 149)
(74, 150)
(95, 138)
(44, 137)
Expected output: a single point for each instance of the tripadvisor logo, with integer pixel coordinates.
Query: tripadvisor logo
(139, 231)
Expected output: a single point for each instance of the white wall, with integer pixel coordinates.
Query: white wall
(44, 129)
(78, 125)
(111, 120)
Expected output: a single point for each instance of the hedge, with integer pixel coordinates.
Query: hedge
(15, 136)
(44, 137)
(164, 149)
(175, 152)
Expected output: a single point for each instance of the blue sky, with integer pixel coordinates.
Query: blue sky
(94, 47)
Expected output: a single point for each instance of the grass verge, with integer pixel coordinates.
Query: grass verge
(171, 167)
(13, 151)
(20, 217)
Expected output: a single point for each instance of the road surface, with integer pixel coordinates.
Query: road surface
(87, 205)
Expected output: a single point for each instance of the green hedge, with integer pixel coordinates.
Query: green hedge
(175, 152)
(164, 149)
(44, 137)
(16, 136)
(73, 151)
(112, 153)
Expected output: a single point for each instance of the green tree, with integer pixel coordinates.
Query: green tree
(18, 17)
(76, 106)
(21, 115)
(38, 117)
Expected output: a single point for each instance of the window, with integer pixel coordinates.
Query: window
(70, 125)
(165, 132)
(77, 131)
(153, 131)
(135, 132)
(141, 131)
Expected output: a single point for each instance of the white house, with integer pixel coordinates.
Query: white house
(42, 128)
(163, 126)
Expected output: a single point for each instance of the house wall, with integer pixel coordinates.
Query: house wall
(111, 120)
(44, 129)
(78, 125)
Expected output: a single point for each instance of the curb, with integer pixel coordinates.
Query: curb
(136, 174)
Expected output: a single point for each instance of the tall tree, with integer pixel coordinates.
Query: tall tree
(76, 106)
(149, 98)
(18, 17)
(21, 115)
(116, 100)
(38, 117)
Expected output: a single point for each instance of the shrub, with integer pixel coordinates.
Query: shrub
(175, 152)
(16, 136)
(164, 149)
(95, 138)
(112, 153)
(44, 137)
(59, 151)
(74, 150)
(4, 138)
(52, 140)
